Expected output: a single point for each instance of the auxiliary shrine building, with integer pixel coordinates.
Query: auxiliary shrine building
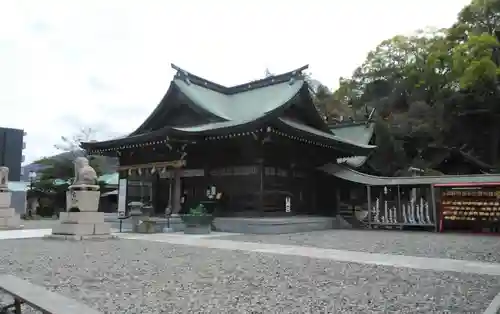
(259, 144)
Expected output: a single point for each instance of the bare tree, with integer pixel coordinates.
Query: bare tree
(71, 144)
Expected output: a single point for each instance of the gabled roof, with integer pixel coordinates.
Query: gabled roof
(240, 103)
(360, 133)
(238, 109)
(245, 105)
(343, 144)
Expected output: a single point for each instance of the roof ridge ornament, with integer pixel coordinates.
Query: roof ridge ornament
(185, 77)
(191, 78)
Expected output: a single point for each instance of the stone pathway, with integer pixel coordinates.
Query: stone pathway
(211, 241)
(24, 234)
(425, 263)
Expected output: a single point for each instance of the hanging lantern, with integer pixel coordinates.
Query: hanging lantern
(130, 172)
(385, 190)
(139, 171)
(153, 170)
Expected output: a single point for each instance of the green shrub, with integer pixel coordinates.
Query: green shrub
(197, 216)
(45, 211)
(199, 210)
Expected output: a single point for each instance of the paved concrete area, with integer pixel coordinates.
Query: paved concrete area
(494, 307)
(424, 263)
(49, 223)
(484, 248)
(39, 224)
(24, 234)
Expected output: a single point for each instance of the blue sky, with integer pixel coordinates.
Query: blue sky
(65, 64)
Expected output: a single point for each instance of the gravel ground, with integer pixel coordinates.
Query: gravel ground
(425, 244)
(127, 276)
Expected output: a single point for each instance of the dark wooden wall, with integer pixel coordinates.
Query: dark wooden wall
(327, 189)
(254, 173)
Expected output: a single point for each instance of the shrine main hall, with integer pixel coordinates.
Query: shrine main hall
(261, 145)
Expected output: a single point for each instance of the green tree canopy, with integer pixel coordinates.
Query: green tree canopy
(432, 88)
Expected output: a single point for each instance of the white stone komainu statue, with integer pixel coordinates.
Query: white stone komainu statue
(84, 173)
(9, 219)
(4, 178)
(82, 220)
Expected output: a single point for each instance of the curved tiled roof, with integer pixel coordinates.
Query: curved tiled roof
(240, 108)
(244, 106)
(352, 175)
(360, 133)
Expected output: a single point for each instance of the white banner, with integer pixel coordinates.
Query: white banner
(122, 197)
(288, 204)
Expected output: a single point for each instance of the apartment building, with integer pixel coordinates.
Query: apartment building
(11, 151)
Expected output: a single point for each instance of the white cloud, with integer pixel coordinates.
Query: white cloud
(67, 64)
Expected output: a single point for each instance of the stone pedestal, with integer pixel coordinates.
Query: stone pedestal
(87, 223)
(9, 219)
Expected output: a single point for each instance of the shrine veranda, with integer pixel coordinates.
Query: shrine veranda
(266, 150)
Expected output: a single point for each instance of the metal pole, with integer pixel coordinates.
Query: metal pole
(434, 208)
(398, 206)
(30, 211)
(369, 197)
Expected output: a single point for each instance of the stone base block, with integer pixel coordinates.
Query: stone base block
(102, 228)
(81, 217)
(86, 201)
(82, 229)
(5, 199)
(13, 222)
(80, 237)
(7, 212)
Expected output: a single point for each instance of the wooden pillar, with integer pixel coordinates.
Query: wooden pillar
(261, 187)
(177, 193)
(337, 200)
(315, 198)
(170, 184)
